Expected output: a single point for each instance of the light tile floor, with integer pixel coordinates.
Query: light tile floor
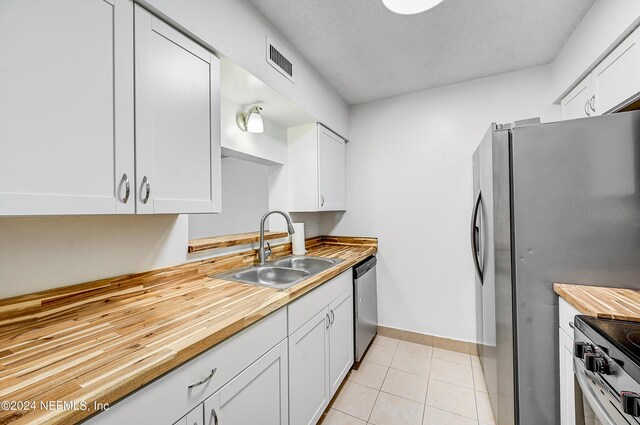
(402, 383)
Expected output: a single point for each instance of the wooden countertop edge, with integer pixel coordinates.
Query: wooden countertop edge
(206, 244)
(137, 380)
(603, 301)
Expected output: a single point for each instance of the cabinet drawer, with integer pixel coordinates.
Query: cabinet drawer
(566, 313)
(302, 310)
(168, 398)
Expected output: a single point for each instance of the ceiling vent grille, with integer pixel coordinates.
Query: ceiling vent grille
(278, 60)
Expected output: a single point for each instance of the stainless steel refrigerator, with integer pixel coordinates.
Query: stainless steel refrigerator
(556, 202)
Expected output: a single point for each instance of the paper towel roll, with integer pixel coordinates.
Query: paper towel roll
(297, 239)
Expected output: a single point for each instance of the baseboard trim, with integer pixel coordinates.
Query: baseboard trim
(431, 340)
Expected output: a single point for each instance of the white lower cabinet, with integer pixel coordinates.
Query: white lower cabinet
(258, 395)
(340, 340)
(308, 370)
(321, 350)
(566, 314)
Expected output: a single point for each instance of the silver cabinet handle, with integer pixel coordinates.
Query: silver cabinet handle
(195, 384)
(328, 321)
(333, 317)
(586, 109)
(214, 415)
(145, 182)
(592, 103)
(127, 188)
(321, 200)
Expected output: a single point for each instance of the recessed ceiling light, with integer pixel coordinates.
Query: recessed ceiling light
(410, 7)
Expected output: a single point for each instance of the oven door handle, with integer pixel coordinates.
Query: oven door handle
(588, 394)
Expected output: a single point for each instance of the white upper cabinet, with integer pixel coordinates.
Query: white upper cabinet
(67, 112)
(331, 170)
(613, 84)
(66, 107)
(578, 103)
(316, 169)
(177, 121)
(617, 77)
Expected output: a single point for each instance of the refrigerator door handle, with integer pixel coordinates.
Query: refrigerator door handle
(475, 236)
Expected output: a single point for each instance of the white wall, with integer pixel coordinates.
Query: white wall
(607, 23)
(245, 197)
(238, 31)
(409, 179)
(38, 253)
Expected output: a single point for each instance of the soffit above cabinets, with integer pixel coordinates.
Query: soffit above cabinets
(367, 52)
(242, 87)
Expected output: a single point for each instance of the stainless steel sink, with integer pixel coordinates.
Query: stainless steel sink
(282, 273)
(271, 275)
(310, 264)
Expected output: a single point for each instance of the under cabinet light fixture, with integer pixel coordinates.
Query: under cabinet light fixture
(251, 121)
(410, 7)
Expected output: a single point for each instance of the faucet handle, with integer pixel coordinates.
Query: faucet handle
(267, 251)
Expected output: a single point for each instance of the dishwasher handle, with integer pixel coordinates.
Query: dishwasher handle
(364, 267)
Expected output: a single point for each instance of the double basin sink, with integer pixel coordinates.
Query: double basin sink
(281, 273)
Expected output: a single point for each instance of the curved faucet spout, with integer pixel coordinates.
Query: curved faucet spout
(262, 252)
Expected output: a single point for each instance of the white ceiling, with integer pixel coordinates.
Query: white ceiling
(369, 53)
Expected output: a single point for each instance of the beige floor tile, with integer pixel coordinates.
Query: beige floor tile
(393, 410)
(379, 354)
(336, 417)
(407, 385)
(433, 416)
(485, 414)
(412, 363)
(412, 347)
(478, 380)
(356, 400)
(452, 356)
(452, 373)
(369, 374)
(386, 341)
(452, 398)
(475, 362)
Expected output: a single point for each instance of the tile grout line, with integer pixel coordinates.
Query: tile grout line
(380, 390)
(426, 394)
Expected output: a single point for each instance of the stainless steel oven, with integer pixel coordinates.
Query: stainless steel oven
(606, 371)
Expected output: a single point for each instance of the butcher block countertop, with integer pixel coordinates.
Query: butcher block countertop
(603, 302)
(99, 341)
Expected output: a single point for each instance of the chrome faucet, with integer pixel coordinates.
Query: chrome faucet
(263, 253)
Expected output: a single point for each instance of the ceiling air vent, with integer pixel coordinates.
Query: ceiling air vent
(277, 59)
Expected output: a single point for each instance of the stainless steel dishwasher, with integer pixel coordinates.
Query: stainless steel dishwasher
(365, 290)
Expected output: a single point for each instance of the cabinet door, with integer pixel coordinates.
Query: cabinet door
(309, 370)
(576, 103)
(177, 121)
(340, 339)
(196, 416)
(66, 106)
(259, 395)
(617, 77)
(331, 171)
(567, 388)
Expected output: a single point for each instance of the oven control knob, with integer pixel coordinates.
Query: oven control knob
(630, 403)
(596, 363)
(581, 348)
